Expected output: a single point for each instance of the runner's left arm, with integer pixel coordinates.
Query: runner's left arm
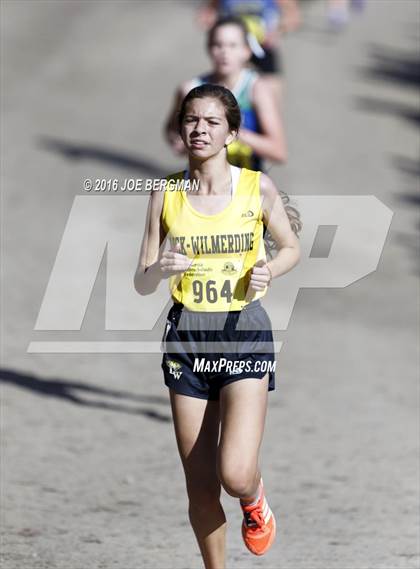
(270, 143)
(277, 222)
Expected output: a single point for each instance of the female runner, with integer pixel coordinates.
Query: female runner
(261, 136)
(218, 361)
(266, 20)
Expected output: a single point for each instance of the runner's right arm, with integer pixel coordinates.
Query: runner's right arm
(148, 274)
(155, 264)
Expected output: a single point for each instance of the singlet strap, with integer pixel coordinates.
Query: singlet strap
(235, 173)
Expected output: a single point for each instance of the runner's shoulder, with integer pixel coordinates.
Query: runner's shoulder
(176, 175)
(157, 196)
(260, 88)
(268, 188)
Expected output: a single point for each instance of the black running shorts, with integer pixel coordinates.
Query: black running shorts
(203, 351)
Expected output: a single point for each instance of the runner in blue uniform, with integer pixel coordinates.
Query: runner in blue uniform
(261, 135)
(266, 20)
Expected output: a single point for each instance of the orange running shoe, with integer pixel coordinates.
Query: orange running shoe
(259, 525)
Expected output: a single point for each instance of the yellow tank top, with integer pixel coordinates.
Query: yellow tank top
(224, 247)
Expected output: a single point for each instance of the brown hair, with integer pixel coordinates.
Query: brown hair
(233, 117)
(232, 111)
(227, 21)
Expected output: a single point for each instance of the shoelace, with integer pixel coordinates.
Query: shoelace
(254, 519)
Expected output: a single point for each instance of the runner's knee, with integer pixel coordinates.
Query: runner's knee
(238, 481)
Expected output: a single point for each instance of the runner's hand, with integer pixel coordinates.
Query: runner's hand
(173, 262)
(260, 276)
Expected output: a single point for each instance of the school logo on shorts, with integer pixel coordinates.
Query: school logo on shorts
(229, 268)
(248, 213)
(174, 368)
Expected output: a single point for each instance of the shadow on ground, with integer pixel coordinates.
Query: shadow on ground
(401, 68)
(394, 66)
(390, 66)
(83, 151)
(73, 392)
